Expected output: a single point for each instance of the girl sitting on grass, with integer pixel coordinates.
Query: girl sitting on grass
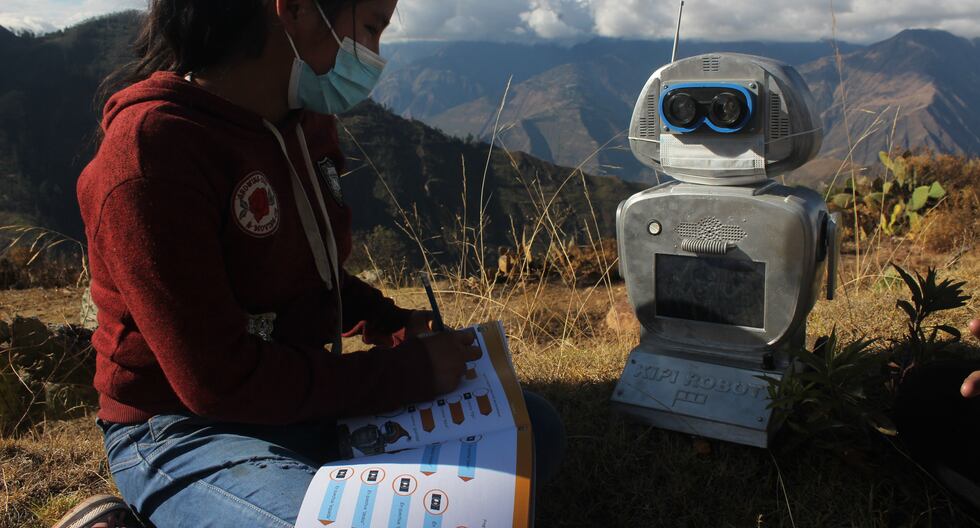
(217, 236)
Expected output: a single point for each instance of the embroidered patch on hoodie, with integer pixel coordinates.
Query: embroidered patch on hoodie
(256, 206)
(329, 174)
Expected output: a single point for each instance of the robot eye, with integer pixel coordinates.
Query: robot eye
(681, 110)
(727, 110)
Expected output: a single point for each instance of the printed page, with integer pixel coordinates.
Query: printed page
(479, 481)
(482, 403)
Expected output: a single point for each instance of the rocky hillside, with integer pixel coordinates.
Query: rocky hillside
(48, 118)
(929, 79)
(438, 181)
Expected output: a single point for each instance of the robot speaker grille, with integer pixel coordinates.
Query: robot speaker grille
(711, 64)
(648, 127)
(778, 122)
(710, 228)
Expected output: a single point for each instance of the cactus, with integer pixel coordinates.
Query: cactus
(899, 205)
(896, 166)
(913, 196)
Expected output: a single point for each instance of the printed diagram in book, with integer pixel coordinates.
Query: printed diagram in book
(463, 460)
(466, 466)
(455, 409)
(334, 494)
(370, 439)
(474, 402)
(466, 469)
(465, 482)
(478, 404)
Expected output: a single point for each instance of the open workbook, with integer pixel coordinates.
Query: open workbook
(463, 460)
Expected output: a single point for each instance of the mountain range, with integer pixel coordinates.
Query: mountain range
(571, 105)
(918, 89)
(566, 107)
(435, 182)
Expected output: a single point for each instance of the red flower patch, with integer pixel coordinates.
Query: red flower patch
(258, 204)
(255, 207)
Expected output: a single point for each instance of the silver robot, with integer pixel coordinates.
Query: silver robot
(722, 263)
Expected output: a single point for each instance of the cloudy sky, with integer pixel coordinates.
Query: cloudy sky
(570, 20)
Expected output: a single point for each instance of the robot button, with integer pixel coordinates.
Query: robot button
(655, 228)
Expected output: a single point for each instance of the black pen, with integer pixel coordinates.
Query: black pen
(437, 324)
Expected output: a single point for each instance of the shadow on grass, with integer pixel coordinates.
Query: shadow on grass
(618, 472)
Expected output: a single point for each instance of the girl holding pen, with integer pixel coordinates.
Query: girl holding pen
(217, 238)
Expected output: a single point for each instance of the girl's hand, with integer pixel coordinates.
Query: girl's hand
(971, 385)
(419, 323)
(448, 353)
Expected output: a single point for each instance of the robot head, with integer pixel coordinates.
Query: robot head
(725, 119)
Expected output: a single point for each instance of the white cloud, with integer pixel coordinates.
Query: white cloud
(558, 20)
(567, 20)
(720, 20)
(42, 16)
(857, 20)
(456, 19)
(26, 23)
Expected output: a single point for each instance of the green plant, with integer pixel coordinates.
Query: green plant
(834, 397)
(924, 342)
(910, 198)
(840, 393)
(896, 206)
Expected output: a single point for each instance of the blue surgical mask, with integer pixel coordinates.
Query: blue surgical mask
(355, 73)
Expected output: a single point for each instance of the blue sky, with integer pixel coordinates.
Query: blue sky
(570, 20)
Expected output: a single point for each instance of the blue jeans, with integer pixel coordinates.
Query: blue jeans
(180, 470)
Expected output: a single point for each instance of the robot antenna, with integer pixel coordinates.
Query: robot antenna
(677, 34)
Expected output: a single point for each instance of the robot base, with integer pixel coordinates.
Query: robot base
(704, 399)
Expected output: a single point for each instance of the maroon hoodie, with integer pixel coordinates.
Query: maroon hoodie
(192, 226)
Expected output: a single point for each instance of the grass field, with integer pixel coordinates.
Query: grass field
(616, 473)
(620, 473)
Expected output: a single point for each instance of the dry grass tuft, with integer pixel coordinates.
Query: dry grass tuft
(869, 311)
(46, 472)
(35, 257)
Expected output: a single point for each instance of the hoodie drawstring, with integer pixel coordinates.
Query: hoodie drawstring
(331, 241)
(325, 256)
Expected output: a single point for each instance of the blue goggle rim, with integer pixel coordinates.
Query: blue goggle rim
(704, 119)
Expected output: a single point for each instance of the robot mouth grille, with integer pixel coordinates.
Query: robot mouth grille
(710, 228)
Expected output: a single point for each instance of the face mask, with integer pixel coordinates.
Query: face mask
(718, 160)
(354, 75)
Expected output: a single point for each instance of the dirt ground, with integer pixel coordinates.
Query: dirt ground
(61, 305)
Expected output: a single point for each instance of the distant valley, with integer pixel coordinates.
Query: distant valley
(568, 105)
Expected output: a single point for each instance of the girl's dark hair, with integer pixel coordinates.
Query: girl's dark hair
(191, 35)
